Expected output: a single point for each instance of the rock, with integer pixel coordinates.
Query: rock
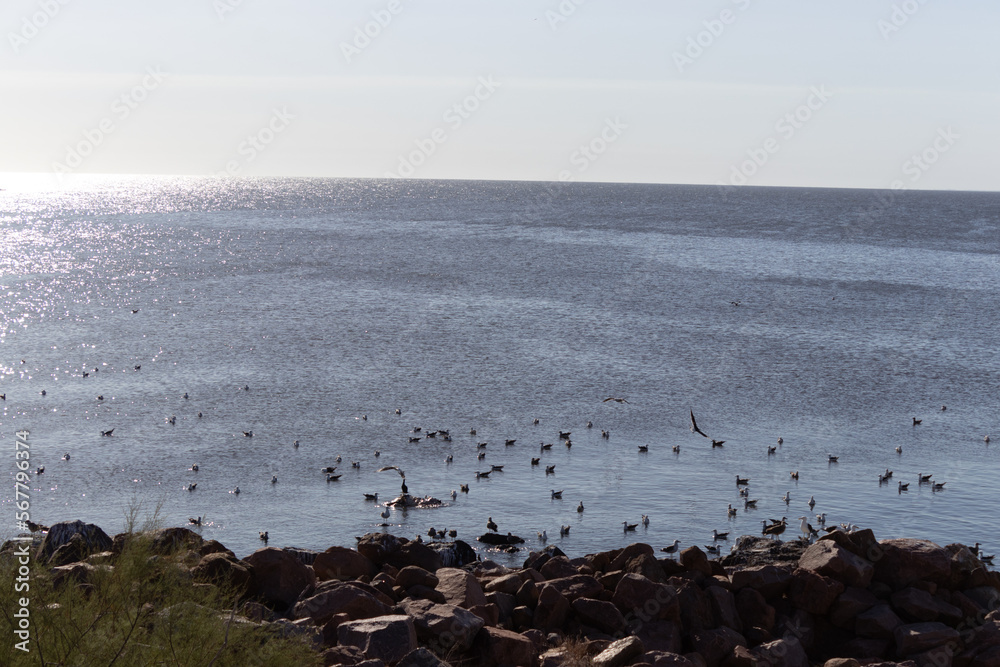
(215, 547)
(504, 603)
(781, 653)
(341, 598)
(558, 567)
(920, 637)
(866, 649)
(421, 657)
(879, 622)
(92, 538)
(527, 594)
(813, 592)
(166, 541)
(646, 566)
(636, 596)
(551, 611)
(508, 583)
(658, 635)
(832, 560)
(716, 645)
(279, 577)
(723, 605)
(415, 553)
(918, 605)
(454, 554)
(771, 581)
(221, 569)
(851, 603)
(841, 662)
(460, 588)
(989, 657)
(619, 653)
(421, 592)
(905, 561)
(696, 609)
(620, 557)
(599, 614)
(411, 576)
(754, 610)
(342, 655)
(577, 586)
(342, 564)
(79, 573)
(496, 539)
(72, 551)
(386, 638)
(495, 646)
(377, 547)
(695, 559)
(490, 614)
(443, 626)
(522, 617)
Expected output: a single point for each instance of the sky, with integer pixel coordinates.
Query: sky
(846, 93)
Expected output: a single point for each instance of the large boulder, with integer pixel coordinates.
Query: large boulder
(771, 581)
(905, 561)
(619, 653)
(454, 554)
(551, 611)
(92, 539)
(342, 564)
(168, 540)
(879, 622)
(386, 638)
(496, 646)
(723, 604)
(221, 569)
(341, 598)
(921, 637)
(813, 592)
(460, 588)
(919, 605)
(377, 547)
(716, 645)
(599, 614)
(443, 627)
(639, 598)
(781, 653)
(832, 560)
(849, 605)
(576, 586)
(279, 577)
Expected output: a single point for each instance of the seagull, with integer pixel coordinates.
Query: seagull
(86, 374)
(718, 443)
(338, 459)
(550, 470)
(194, 467)
(371, 496)
(645, 521)
(938, 486)
(712, 549)
(821, 519)
(775, 529)
(899, 449)
(579, 508)
(563, 435)
(569, 443)
(535, 421)
(483, 474)
(677, 449)
(172, 419)
(247, 434)
(377, 453)
(781, 441)
(107, 433)
(742, 480)
(787, 497)
(398, 412)
(543, 536)
(923, 478)
(454, 494)
(100, 397)
(616, 400)
(812, 502)
(481, 456)
(694, 426)
(643, 448)
(135, 310)
(263, 536)
(744, 492)
(42, 392)
(194, 522)
(236, 491)
(138, 366)
(185, 394)
(902, 487)
(564, 531)
(557, 494)
(732, 510)
(831, 458)
(794, 474)
(356, 464)
(449, 458)
(274, 479)
(496, 468)
(333, 478)
(672, 548)
(481, 445)
(986, 439)
(629, 526)
(328, 469)
(916, 421)
(414, 439)
(3, 397)
(806, 529)
(535, 461)
(191, 487)
(385, 513)
(296, 442)
(452, 533)
(246, 387)
(716, 535)
(65, 456)
(464, 488)
(491, 525)
(472, 431)
(747, 504)
(771, 450)
(508, 442)
(544, 447)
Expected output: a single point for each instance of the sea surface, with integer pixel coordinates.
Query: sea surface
(828, 318)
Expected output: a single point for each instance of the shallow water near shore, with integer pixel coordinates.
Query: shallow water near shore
(768, 312)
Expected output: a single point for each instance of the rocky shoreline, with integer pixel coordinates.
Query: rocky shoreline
(845, 600)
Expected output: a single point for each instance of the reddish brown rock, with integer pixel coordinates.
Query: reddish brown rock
(813, 592)
(386, 638)
(213, 547)
(841, 662)
(496, 646)
(696, 609)
(781, 653)
(879, 622)
(638, 597)
(917, 605)
(619, 653)
(421, 657)
(279, 577)
(598, 614)
(695, 559)
(460, 588)
(771, 581)
(551, 611)
(832, 560)
(577, 586)
(509, 583)
(558, 567)
(342, 564)
(415, 576)
(716, 645)
(849, 605)
(658, 635)
(754, 610)
(723, 605)
(905, 561)
(220, 569)
(443, 626)
(667, 659)
(921, 637)
(647, 566)
(341, 598)
(623, 556)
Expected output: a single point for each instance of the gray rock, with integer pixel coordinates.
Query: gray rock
(386, 638)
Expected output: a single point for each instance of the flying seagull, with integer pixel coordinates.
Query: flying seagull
(694, 426)
(616, 400)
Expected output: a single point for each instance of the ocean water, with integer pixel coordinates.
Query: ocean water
(829, 318)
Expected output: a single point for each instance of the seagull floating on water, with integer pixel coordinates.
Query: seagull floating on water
(194, 522)
(371, 496)
(916, 421)
(902, 487)
(787, 497)
(535, 461)
(543, 536)
(712, 549)
(716, 535)
(564, 531)
(812, 502)
(557, 494)
(263, 536)
(794, 474)
(742, 480)
(643, 448)
(831, 458)
(672, 548)
(579, 508)
(718, 443)
(333, 478)
(107, 433)
(732, 510)
(616, 400)
(236, 491)
(274, 479)
(550, 470)
(629, 526)
(645, 521)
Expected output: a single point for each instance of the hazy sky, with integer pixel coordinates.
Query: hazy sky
(840, 93)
